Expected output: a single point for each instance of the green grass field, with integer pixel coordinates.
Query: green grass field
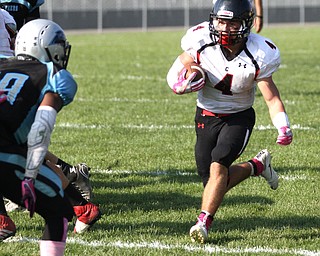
(138, 137)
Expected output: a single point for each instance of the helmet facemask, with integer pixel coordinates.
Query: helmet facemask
(58, 50)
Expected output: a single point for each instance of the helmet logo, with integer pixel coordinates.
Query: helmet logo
(225, 14)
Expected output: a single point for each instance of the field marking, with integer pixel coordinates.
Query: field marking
(115, 99)
(146, 100)
(165, 126)
(290, 177)
(160, 246)
(153, 173)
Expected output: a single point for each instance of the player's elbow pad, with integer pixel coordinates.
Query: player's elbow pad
(174, 71)
(39, 139)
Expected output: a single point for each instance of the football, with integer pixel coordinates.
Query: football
(194, 67)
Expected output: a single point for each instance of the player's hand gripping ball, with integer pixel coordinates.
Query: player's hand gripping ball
(191, 79)
(195, 68)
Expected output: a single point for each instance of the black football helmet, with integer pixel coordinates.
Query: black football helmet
(235, 10)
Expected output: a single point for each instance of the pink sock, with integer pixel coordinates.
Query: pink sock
(52, 248)
(206, 218)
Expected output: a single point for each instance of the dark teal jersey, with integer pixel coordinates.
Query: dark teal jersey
(24, 84)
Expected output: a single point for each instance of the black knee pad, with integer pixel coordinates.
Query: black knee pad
(204, 175)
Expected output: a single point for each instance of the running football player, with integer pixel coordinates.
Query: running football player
(235, 62)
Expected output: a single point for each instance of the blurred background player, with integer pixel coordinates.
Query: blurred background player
(8, 32)
(87, 213)
(258, 20)
(22, 11)
(235, 62)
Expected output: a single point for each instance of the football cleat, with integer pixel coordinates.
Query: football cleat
(7, 227)
(82, 182)
(11, 206)
(268, 173)
(87, 215)
(199, 232)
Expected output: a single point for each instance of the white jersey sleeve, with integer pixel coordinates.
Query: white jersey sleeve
(266, 53)
(195, 38)
(5, 18)
(8, 19)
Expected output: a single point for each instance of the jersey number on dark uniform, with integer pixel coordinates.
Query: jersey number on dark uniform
(12, 84)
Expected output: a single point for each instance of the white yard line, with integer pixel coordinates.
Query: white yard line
(291, 177)
(116, 99)
(165, 126)
(190, 248)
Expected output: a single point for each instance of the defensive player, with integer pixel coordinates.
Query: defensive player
(235, 61)
(22, 11)
(34, 88)
(78, 175)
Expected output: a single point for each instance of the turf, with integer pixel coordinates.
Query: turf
(138, 137)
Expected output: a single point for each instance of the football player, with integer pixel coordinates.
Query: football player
(8, 30)
(77, 174)
(22, 11)
(235, 62)
(35, 86)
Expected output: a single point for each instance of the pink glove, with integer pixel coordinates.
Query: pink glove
(285, 136)
(28, 195)
(186, 85)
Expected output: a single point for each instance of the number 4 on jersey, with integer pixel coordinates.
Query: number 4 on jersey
(225, 85)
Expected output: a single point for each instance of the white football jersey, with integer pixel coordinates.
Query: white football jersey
(230, 85)
(5, 18)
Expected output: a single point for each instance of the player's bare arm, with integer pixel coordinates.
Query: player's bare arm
(186, 59)
(277, 111)
(271, 96)
(52, 100)
(258, 21)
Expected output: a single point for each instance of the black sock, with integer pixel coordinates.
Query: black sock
(255, 169)
(54, 229)
(74, 196)
(2, 207)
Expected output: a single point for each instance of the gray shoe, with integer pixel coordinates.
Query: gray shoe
(82, 182)
(268, 173)
(11, 206)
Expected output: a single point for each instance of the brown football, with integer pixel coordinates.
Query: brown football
(194, 67)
